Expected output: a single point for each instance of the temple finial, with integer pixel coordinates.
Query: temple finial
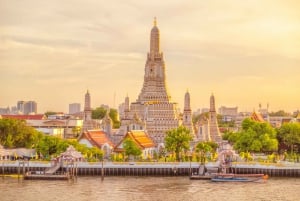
(154, 21)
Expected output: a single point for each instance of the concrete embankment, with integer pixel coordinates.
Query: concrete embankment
(150, 169)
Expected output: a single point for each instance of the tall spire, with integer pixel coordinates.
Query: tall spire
(154, 40)
(212, 103)
(187, 102)
(87, 101)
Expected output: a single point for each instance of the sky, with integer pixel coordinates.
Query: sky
(244, 52)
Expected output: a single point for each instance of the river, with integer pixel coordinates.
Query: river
(147, 188)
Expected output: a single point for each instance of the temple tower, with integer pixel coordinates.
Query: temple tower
(154, 87)
(87, 119)
(126, 107)
(187, 113)
(213, 122)
(153, 105)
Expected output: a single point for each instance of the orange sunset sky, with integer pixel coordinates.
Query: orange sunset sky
(245, 52)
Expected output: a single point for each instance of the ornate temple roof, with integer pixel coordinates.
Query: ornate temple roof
(71, 153)
(257, 117)
(96, 137)
(139, 137)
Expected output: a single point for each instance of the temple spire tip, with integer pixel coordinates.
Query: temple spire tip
(154, 21)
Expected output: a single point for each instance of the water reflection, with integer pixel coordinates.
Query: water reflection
(147, 188)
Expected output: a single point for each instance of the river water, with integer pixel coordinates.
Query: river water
(147, 188)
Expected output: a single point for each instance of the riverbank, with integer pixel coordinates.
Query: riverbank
(153, 168)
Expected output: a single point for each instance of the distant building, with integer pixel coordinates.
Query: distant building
(228, 113)
(67, 127)
(20, 106)
(74, 108)
(204, 110)
(5, 110)
(30, 107)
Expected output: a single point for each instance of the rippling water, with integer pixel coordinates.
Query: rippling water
(147, 188)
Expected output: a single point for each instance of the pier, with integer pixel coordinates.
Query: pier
(147, 169)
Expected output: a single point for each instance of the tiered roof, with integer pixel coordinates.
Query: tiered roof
(139, 137)
(257, 117)
(97, 138)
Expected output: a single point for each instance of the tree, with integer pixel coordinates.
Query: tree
(15, 133)
(178, 140)
(99, 113)
(113, 114)
(202, 148)
(255, 137)
(130, 148)
(279, 113)
(196, 118)
(289, 134)
(48, 113)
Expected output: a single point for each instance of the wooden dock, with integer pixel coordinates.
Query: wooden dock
(32, 175)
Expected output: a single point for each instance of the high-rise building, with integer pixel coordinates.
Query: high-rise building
(30, 107)
(20, 106)
(153, 106)
(74, 108)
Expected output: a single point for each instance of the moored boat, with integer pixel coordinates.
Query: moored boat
(239, 177)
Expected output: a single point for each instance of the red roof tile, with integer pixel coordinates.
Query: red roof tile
(139, 137)
(24, 117)
(97, 138)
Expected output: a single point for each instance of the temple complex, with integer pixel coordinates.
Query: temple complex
(153, 110)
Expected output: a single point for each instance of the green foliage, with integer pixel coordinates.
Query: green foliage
(289, 134)
(113, 114)
(246, 156)
(14, 134)
(232, 137)
(99, 113)
(51, 146)
(196, 118)
(254, 137)
(178, 140)
(130, 148)
(279, 113)
(48, 113)
(202, 148)
(224, 124)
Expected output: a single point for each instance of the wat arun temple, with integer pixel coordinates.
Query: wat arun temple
(153, 111)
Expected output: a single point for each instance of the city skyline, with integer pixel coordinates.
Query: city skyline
(244, 52)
